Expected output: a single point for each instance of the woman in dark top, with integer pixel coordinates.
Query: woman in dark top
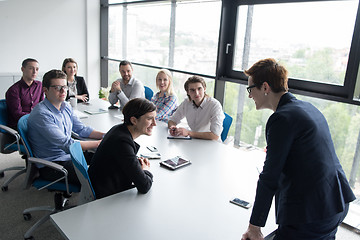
(76, 84)
(115, 166)
(301, 168)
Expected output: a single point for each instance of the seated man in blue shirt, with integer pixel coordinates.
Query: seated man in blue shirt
(50, 125)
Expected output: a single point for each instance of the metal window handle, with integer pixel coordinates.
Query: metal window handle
(227, 47)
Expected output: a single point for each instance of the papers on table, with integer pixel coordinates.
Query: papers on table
(96, 111)
(79, 114)
(151, 155)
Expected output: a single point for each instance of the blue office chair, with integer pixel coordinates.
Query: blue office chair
(148, 93)
(63, 188)
(226, 126)
(9, 143)
(87, 193)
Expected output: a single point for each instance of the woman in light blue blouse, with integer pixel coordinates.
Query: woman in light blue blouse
(165, 100)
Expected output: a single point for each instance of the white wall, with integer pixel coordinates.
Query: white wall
(50, 31)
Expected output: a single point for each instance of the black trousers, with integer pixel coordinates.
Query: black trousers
(323, 230)
(52, 174)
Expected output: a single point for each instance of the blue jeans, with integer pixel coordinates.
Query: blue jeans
(323, 230)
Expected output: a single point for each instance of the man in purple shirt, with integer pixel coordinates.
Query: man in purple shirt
(23, 95)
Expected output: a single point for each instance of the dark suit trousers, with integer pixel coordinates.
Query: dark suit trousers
(52, 175)
(322, 230)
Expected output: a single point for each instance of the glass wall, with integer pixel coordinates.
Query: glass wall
(315, 47)
(343, 120)
(196, 36)
(141, 33)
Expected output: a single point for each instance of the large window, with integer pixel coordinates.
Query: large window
(140, 33)
(343, 120)
(164, 34)
(313, 48)
(316, 40)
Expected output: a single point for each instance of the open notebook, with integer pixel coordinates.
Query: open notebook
(96, 111)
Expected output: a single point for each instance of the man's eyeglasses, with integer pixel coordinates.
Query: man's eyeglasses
(249, 88)
(59, 87)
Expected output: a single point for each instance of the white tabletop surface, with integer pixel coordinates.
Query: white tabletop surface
(189, 203)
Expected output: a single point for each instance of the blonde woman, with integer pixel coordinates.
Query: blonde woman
(165, 100)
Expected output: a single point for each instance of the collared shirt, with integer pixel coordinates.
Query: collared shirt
(49, 131)
(208, 117)
(134, 89)
(21, 99)
(165, 106)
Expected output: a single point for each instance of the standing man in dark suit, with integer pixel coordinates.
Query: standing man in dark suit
(301, 169)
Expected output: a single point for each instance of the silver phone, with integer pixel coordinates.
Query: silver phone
(241, 203)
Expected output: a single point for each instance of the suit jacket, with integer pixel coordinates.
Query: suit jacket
(115, 167)
(301, 168)
(80, 87)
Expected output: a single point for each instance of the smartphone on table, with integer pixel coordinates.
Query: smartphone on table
(241, 203)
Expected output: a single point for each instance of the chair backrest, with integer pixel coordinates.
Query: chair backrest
(3, 112)
(23, 130)
(32, 171)
(32, 174)
(9, 138)
(87, 192)
(148, 93)
(226, 126)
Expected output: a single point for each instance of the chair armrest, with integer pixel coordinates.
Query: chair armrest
(47, 163)
(77, 137)
(9, 130)
(74, 135)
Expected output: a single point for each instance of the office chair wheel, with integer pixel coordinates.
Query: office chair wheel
(27, 217)
(2, 174)
(4, 188)
(30, 238)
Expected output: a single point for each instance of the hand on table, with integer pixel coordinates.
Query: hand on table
(82, 97)
(182, 132)
(253, 233)
(174, 131)
(145, 163)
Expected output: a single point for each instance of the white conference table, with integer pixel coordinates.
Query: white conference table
(189, 203)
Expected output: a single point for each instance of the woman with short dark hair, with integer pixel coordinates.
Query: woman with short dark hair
(301, 168)
(115, 166)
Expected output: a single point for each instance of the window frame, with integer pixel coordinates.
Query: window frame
(225, 72)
